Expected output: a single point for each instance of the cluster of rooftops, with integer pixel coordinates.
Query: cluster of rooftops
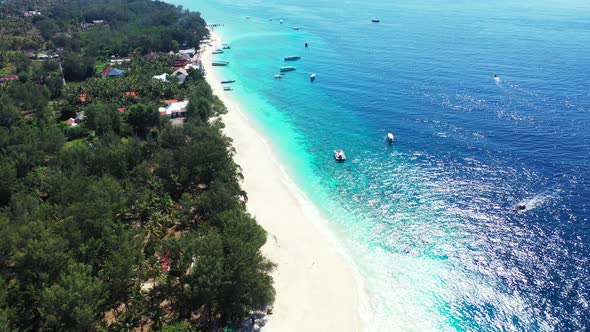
(174, 109)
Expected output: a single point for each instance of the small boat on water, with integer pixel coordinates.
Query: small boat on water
(226, 47)
(227, 88)
(220, 63)
(519, 207)
(295, 28)
(375, 20)
(312, 77)
(287, 68)
(228, 81)
(281, 21)
(279, 75)
(292, 58)
(390, 138)
(339, 155)
(218, 51)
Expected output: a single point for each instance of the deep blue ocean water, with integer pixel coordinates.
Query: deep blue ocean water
(428, 222)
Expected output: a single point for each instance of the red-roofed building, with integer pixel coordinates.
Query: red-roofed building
(85, 97)
(8, 78)
(31, 13)
(181, 63)
(106, 71)
(165, 262)
(169, 101)
(121, 109)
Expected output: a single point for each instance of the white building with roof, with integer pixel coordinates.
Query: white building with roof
(180, 74)
(189, 51)
(163, 77)
(174, 110)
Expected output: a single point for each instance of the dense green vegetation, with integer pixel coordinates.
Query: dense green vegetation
(126, 220)
(128, 26)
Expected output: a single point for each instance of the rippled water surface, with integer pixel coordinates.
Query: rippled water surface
(429, 220)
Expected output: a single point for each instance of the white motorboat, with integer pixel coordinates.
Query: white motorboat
(339, 155)
(390, 138)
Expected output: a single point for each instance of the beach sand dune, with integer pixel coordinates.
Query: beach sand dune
(317, 288)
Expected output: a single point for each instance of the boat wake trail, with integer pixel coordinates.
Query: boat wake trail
(539, 200)
(515, 88)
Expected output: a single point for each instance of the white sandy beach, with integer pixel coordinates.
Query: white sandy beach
(316, 285)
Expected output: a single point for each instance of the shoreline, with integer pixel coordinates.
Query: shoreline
(318, 288)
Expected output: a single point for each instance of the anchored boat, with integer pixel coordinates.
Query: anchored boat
(292, 57)
(227, 88)
(279, 75)
(226, 47)
(220, 63)
(228, 81)
(218, 51)
(375, 20)
(312, 77)
(519, 207)
(390, 138)
(339, 155)
(287, 68)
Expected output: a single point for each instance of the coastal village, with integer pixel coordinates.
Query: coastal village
(183, 61)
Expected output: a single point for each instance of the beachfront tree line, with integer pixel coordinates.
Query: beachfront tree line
(125, 220)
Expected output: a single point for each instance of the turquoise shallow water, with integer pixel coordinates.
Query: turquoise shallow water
(429, 221)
